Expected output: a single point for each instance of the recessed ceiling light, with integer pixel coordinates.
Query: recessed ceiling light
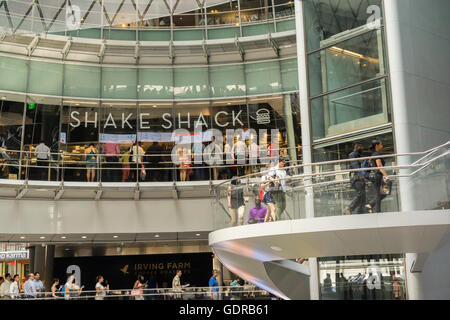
(42, 237)
(197, 234)
(275, 248)
(83, 237)
(154, 106)
(115, 237)
(22, 237)
(63, 237)
(156, 235)
(67, 249)
(3, 98)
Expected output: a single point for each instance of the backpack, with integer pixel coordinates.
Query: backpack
(367, 174)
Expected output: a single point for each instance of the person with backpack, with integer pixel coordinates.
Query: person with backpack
(357, 181)
(380, 177)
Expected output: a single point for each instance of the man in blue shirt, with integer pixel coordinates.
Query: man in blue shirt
(214, 285)
(29, 287)
(38, 283)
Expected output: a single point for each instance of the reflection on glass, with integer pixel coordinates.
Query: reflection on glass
(372, 277)
(348, 110)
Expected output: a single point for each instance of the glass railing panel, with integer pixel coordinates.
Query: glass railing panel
(154, 35)
(257, 29)
(186, 35)
(286, 25)
(223, 33)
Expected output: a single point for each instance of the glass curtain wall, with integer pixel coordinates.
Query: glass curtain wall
(348, 82)
(72, 108)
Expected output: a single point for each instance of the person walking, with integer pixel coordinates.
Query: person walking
(357, 181)
(266, 195)
(42, 153)
(137, 167)
(214, 285)
(380, 176)
(176, 285)
(4, 288)
(91, 162)
(100, 288)
(236, 202)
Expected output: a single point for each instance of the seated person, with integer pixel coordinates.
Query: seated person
(257, 213)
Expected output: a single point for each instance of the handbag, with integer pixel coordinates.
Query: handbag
(386, 188)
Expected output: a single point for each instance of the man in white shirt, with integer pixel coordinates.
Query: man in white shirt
(42, 153)
(14, 288)
(4, 288)
(176, 285)
(253, 151)
(240, 150)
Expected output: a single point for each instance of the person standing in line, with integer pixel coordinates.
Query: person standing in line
(240, 150)
(236, 202)
(125, 166)
(111, 152)
(357, 181)
(14, 288)
(4, 288)
(137, 166)
(138, 288)
(184, 157)
(91, 162)
(258, 213)
(42, 153)
(29, 287)
(253, 150)
(214, 285)
(176, 285)
(40, 288)
(100, 288)
(55, 288)
(380, 176)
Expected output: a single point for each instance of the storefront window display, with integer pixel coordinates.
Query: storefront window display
(371, 277)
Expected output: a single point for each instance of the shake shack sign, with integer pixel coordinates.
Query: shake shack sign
(222, 119)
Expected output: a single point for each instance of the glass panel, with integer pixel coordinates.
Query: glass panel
(183, 35)
(156, 123)
(257, 29)
(119, 83)
(15, 71)
(45, 78)
(79, 128)
(348, 110)
(154, 35)
(41, 133)
(155, 83)
(227, 81)
(263, 77)
(371, 277)
(11, 120)
(324, 19)
(81, 81)
(115, 34)
(348, 62)
(191, 83)
(118, 134)
(286, 25)
(289, 74)
(195, 119)
(222, 33)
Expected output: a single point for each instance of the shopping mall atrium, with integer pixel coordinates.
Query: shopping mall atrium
(142, 138)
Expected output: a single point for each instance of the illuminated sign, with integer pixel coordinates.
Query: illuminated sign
(14, 255)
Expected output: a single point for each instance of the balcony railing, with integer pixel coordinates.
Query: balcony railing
(331, 188)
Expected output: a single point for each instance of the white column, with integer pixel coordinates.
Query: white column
(306, 135)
